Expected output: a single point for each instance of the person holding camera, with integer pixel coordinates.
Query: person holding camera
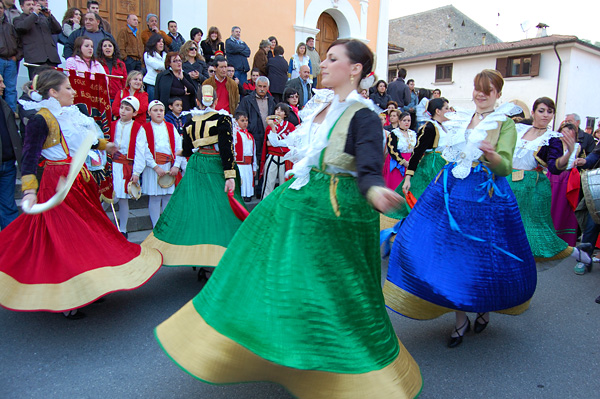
(35, 27)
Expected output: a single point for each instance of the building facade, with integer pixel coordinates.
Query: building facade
(291, 21)
(563, 68)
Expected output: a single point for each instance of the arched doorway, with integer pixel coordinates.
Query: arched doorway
(328, 33)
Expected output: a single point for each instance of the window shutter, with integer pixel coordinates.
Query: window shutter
(501, 65)
(535, 64)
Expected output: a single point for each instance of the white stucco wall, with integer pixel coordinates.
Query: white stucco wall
(581, 97)
(578, 81)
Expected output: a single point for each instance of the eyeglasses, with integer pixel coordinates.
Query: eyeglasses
(293, 96)
(193, 49)
(211, 71)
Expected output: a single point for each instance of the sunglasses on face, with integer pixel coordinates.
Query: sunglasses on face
(193, 49)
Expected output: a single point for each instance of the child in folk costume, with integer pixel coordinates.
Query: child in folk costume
(124, 133)
(273, 167)
(161, 145)
(178, 120)
(245, 154)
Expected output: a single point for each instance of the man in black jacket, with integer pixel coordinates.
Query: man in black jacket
(258, 105)
(10, 152)
(11, 52)
(36, 27)
(398, 90)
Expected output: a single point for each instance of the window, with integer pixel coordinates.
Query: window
(443, 73)
(521, 65)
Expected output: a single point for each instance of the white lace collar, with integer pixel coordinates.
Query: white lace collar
(306, 144)
(532, 145)
(462, 146)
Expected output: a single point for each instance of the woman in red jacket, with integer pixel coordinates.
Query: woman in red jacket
(110, 57)
(134, 86)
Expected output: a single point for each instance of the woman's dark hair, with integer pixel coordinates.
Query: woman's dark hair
(77, 46)
(435, 104)
(213, 45)
(102, 58)
(194, 32)
(271, 38)
(290, 91)
(254, 70)
(378, 83)
(403, 115)
(358, 53)
(546, 101)
(284, 107)
(424, 93)
(409, 81)
(278, 50)
(70, 13)
(49, 79)
(151, 44)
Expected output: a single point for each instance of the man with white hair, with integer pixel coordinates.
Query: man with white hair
(302, 85)
(152, 22)
(258, 105)
(585, 140)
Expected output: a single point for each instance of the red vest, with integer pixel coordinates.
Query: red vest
(239, 146)
(132, 138)
(150, 137)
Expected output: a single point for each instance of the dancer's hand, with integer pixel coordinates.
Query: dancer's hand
(384, 200)
(174, 170)
(135, 179)
(159, 171)
(30, 198)
(579, 162)
(229, 185)
(406, 185)
(111, 148)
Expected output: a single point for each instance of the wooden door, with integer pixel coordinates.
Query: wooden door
(116, 11)
(328, 33)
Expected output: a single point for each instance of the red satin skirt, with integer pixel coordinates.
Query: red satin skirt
(71, 255)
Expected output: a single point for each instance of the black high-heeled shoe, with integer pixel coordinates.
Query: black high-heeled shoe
(479, 327)
(455, 341)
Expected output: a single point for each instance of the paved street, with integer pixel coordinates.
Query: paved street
(551, 351)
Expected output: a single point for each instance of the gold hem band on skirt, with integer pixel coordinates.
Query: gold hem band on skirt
(186, 255)
(414, 307)
(565, 253)
(212, 357)
(81, 289)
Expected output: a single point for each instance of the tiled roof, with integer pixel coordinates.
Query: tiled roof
(495, 47)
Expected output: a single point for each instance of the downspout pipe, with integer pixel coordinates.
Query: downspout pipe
(557, 81)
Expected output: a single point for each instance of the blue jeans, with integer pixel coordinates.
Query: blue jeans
(8, 206)
(8, 70)
(242, 76)
(150, 91)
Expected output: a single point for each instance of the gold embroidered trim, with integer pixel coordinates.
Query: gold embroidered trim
(29, 182)
(102, 144)
(229, 174)
(205, 141)
(54, 136)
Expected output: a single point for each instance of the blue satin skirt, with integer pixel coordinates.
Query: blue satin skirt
(462, 247)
